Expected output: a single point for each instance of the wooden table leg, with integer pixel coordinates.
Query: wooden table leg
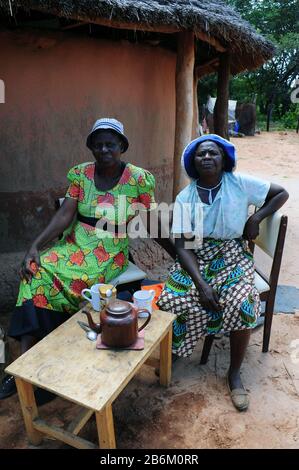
(105, 427)
(165, 359)
(29, 410)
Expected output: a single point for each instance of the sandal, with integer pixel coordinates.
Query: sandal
(239, 397)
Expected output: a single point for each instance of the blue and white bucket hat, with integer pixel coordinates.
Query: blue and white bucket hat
(111, 124)
(188, 154)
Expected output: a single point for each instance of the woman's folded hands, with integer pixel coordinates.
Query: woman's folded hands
(209, 298)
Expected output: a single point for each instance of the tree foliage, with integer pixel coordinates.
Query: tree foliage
(272, 83)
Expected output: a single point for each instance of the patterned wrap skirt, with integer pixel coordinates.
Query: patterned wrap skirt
(227, 266)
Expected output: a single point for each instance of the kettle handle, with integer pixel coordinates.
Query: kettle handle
(147, 320)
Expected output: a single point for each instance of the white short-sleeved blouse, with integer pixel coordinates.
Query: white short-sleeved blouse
(225, 218)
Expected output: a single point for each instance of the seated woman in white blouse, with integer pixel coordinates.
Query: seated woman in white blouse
(211, 287)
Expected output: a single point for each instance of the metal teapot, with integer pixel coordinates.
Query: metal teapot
(118, 323)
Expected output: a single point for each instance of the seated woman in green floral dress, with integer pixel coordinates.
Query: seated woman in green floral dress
(106, 192)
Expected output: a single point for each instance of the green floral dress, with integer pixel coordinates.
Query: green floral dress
(85, 255)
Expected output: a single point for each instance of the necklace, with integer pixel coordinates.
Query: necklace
(210, 190)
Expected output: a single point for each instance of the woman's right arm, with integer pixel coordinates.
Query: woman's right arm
(61, 220)
(208, 296)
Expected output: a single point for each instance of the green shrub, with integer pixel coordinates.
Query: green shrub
(290, 118)
(288, 121)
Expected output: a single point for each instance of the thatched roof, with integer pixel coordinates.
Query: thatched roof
(213, 20)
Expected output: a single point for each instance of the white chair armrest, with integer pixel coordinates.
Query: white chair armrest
(133, 273)
(261, 285)
(269, 229)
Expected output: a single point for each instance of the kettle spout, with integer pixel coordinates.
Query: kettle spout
(94, 326)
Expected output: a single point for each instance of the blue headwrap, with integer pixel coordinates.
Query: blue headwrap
(230, 157)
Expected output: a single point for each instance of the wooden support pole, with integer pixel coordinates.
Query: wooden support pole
(184, 103)
(221, 105)
(195, 124)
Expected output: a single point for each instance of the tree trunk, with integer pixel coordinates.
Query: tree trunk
(270, 109)
(184, 103)
(221, 105)
(269, 114)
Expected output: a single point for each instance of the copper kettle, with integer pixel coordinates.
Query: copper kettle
(118, 323)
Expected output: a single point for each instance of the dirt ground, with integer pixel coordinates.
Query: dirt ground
(196, 411)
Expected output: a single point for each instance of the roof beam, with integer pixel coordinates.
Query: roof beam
(76, 25)
(168, 29)
(211, 40)
(136, 26)
(115, 24)
(208, 67)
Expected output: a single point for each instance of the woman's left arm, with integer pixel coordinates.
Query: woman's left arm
(275, 199)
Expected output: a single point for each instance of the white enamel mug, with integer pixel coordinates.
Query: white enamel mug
(144, 299)
(94, 297)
